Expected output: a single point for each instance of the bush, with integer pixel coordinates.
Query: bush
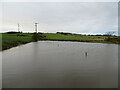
(37, 36)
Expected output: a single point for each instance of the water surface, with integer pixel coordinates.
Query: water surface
(53, 64)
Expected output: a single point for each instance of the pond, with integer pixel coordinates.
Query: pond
(57, 64)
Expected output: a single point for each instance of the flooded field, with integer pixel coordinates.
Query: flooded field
(56, 64)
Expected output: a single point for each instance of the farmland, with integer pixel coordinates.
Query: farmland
(12, 40)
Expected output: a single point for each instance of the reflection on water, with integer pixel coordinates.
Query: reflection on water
(52, 64)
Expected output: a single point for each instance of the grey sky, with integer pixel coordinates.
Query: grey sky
(76, 17)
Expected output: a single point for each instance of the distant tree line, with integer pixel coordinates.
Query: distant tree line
(13, 32)
(64, 33)
(106, 34)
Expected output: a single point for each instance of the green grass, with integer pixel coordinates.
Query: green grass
(14, 37)
(51, 36)
(79, 38)
(12, 40)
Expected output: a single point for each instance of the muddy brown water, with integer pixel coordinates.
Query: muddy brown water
(56, 64)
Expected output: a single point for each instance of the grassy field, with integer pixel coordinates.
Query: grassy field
(51, 36)
(12, 40)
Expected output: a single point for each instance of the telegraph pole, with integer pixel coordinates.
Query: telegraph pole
(36, 27)
(18, 27)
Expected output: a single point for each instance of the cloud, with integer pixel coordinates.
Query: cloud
(78, 17)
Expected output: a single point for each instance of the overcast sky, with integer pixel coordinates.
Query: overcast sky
(75, 17)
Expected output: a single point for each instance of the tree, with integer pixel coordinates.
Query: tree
(37, 36)
(109, 34)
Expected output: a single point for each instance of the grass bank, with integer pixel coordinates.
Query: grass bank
(12, 40)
